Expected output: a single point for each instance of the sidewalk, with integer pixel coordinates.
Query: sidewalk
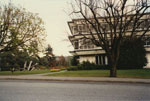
(42, 74)
(76, 79)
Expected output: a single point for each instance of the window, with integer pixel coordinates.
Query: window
(81, 28)
(86, 44)
(76, 44)
(75, 30)
(147, 41)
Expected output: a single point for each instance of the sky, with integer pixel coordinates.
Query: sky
(53, 13)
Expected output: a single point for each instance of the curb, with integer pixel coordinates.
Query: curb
(68, 79)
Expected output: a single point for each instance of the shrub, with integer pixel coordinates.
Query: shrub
(72, 68)
(103, 67)
(74, 61)
(86, 65)
(132, 55)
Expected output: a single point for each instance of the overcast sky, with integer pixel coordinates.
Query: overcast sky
(53, 14)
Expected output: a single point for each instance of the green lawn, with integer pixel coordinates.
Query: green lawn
(24, 72)
(139, 73)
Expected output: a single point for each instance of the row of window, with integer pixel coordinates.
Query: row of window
(87, 43)
(85, 29)
(83, 44)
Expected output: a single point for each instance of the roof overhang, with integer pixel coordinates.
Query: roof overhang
(87, 52)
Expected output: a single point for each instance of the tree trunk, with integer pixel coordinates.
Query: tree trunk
(29, 65)
(25, 65)
(113, 70)
(113, 67)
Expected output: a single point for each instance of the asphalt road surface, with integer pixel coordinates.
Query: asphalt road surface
(72, 91)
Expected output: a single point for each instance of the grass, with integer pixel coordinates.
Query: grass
(24, 72)
(83, 73)
(137, 73)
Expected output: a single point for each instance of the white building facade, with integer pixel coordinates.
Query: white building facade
(86, 50)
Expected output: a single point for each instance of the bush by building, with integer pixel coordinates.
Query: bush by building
(86, 65)
(74, 61)
(132, 55)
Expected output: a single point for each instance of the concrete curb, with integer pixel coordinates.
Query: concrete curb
(77, 79)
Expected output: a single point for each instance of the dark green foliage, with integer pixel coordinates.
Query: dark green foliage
(6, 61)
(15, 60)
(86, 65)
(49, 58)
(132, 55)
(74, 61)
(49, 50)
(44, 61)
(72, 68)
(22, 57)
(47, 61)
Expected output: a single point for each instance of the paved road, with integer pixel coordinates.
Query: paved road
(72, 91)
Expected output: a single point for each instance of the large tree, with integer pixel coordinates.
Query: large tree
(110, 21)
(20, 29)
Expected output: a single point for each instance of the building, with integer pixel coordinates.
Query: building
(86, 50)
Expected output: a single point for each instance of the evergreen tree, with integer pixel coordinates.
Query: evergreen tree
(74, 61)
(132, 54)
